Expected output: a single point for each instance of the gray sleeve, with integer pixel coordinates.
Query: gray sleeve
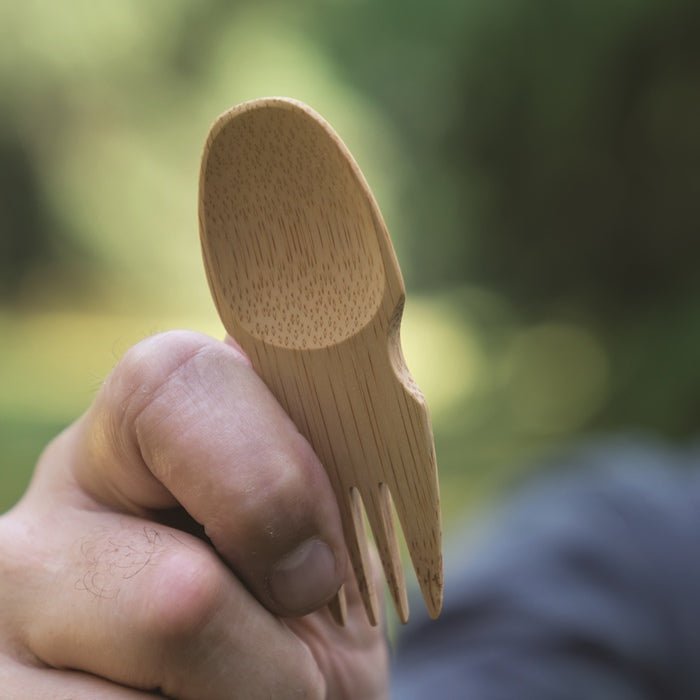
(586, 588)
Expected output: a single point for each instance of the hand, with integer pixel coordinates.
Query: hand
(170, 542)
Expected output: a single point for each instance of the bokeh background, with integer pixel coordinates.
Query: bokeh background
(538, 165)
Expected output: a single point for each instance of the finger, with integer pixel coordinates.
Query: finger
(183, 419)
(18, 681)
(153, 608)
(356, 624)
(362, 645)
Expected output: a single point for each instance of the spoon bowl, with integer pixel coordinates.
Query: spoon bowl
(312, 286)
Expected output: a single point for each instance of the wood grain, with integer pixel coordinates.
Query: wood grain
(304, 276)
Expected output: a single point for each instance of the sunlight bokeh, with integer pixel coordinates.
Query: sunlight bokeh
(550, 262)
(118, 152)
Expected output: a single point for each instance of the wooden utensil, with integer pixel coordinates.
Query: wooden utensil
(304, 276)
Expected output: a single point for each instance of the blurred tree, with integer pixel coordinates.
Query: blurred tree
(555, 160)
(555, 144)
(550, 156)
(36, 249)
(25, 228)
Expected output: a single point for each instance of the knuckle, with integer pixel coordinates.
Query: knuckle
(151, 384)
(285, 500)
(293, 473)
(110, 438)
(274, 508)
(186, 591)
(149, 365)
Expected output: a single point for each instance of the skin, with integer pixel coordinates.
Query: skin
(170, 544)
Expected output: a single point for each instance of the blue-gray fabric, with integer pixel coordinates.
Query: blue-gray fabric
(586, 587)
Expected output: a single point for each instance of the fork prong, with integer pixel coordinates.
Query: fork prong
(338, 607)
(423, 537)
(379, 513)
(359, 555)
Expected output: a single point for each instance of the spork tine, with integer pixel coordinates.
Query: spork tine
(304, 276)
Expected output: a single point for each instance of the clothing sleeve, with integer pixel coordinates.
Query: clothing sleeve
(587, 587)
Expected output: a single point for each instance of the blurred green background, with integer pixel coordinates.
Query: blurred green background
(537, 164)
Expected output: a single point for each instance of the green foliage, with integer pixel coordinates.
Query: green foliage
(555, 145)
(555, 161)
(538, 163)
(22, 441)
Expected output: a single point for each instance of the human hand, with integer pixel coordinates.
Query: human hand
(170, 542)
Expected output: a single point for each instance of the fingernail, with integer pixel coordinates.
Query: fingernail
(306, 578)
